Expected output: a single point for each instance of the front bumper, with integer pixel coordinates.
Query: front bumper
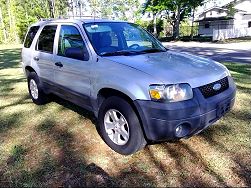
(160, 120)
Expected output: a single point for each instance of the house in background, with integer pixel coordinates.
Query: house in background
(219, 24)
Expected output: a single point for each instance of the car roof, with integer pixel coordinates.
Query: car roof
(72, 20)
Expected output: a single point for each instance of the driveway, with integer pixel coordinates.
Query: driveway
(231, 52)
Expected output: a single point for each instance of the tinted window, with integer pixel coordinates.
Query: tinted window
(30, 36)
(71, 39)
(249, 24)
(46, 39)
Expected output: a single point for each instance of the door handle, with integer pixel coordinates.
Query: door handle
(59, 64)
(36, 58)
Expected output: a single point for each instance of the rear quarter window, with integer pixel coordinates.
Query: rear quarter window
(46, 39)
(30, 36)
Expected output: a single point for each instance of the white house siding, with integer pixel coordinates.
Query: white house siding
(247, 17)
(221, 34)
(219, 24)
(244, 5)
(205, 31)
(214, 12)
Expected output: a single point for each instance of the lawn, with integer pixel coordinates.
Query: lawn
(57, 144)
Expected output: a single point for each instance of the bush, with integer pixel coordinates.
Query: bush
(149, 25)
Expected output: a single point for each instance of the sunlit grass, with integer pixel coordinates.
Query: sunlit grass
(57, 144)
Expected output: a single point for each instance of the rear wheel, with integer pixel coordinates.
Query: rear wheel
(35, 89)
(120, 127)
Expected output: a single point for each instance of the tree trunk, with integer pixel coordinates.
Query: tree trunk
(12, 23)
(52, 8)
(9, 14)
(9, 36)
(155, 24)
(15, 29)
(192, 24)
(176, 32)
(3, 26)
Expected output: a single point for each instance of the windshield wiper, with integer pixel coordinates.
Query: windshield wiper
(152, 50)
(126, 52)
(121, 52)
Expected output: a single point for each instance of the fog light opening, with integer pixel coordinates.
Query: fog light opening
(182, 130)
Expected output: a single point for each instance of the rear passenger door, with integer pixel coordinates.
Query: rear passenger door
(72, 70)
(27, 49)
(43, 54)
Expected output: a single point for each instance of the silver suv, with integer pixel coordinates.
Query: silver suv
(138, 90)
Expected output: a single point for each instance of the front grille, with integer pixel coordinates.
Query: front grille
(208, 91)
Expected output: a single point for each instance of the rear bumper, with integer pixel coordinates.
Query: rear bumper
(161, 120)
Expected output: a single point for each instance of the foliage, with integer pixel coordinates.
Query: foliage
(231, 9)
(153, 6)
(119, 9)
(150, 27)
(175, 10)
(17, 15)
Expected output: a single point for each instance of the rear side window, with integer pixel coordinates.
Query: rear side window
(30, 36)
(46, 39)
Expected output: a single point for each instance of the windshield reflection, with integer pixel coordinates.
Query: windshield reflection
(121, 38)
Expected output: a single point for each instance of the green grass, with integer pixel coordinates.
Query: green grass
(57, 144)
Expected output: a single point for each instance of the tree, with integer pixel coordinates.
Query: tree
(17, 15)
(194, 5)
(154, 7)
(119, 9)
(3, 34)
(176, 10)
(231, 9)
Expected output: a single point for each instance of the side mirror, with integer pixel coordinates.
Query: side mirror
(75, 53)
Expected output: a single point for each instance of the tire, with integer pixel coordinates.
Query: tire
(125, 144)
(40, 97)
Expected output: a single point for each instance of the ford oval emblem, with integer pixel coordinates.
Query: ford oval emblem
(216, 87)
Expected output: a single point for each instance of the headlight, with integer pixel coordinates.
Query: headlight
(171, 93)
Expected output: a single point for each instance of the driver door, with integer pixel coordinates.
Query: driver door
(72, 72)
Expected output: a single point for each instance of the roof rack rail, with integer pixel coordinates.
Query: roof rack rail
(72, 17)
(50, 19)
(46, 19)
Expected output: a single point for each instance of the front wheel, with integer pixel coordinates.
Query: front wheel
(120, 127)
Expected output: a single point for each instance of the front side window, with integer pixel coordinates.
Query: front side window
(30, 36)
(46, 39)
(118, 38)
(71, 42)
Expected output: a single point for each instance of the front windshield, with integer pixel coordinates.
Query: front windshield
(109, 38)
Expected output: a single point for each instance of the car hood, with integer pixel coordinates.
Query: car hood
(172, 67)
